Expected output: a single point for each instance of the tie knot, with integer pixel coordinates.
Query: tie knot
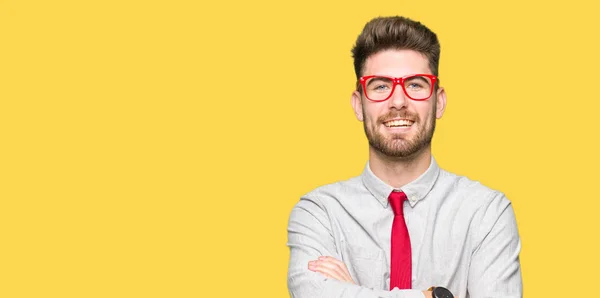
(397, 199)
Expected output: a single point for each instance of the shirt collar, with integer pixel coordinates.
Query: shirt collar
(415, 190)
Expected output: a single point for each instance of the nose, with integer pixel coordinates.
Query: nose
(398, 99)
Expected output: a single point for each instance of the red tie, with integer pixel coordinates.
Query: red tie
(401, 264)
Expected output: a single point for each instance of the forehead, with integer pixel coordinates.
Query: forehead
(396, 63)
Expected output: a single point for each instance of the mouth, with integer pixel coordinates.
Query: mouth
(398, 123)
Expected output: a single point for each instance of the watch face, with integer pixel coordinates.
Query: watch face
(440, 292)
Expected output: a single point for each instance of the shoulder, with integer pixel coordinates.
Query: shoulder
(319, 204)
(471, 192)
(482, 206)
(334, 193)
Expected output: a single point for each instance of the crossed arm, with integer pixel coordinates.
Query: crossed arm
(327, 276)
(333, 268)
(315, 269)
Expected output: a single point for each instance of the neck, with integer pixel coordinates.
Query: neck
(399, 171)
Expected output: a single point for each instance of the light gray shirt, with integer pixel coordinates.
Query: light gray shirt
(463, 237)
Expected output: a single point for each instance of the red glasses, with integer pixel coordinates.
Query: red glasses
(381, 88)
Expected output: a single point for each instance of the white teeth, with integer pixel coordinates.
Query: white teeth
(395, 123)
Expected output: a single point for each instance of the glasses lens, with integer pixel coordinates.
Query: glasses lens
(379, 88)
(418, 87)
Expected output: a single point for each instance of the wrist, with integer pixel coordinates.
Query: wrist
(440, 292)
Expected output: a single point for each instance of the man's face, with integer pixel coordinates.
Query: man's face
(399, 127)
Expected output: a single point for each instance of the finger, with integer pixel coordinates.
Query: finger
(342, 266)
(333, 269)
(337, 265)
(326, 269)
(333, 260)
(331, 265)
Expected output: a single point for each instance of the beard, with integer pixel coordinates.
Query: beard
(399, 146)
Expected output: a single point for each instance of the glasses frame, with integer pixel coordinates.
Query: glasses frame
(397, 81)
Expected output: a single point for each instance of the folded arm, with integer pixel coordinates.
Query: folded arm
(310, 237)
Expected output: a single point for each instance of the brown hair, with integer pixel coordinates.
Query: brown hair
(398, 33)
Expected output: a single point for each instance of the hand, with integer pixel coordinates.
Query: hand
(332, 268)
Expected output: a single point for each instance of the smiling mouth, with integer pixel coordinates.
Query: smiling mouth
(398, 123)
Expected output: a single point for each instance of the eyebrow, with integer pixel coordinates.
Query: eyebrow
(378, 79)
(420, 78)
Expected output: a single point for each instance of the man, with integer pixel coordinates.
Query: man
(404, 225)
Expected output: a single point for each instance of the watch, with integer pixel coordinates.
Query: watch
(440, 292)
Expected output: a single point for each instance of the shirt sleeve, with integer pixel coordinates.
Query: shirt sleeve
(310, 236)
(495, 270)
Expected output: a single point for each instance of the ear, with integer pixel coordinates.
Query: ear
(441, 103)
(357, 105)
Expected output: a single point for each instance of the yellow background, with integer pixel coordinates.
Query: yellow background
(156, 148)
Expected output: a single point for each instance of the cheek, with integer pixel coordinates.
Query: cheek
(372, 113)
(426, 112)
(371, 120)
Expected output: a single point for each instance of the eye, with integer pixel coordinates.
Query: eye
(379, 84)
(414, 86)
(380, 87)
(417, 83)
